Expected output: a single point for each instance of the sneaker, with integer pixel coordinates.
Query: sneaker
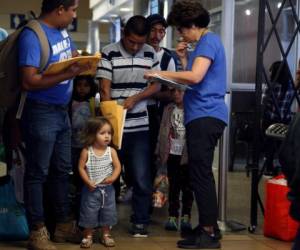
(200, 241)
(139, 231)
(127, 196)
(172, 224)
(193, 232)
(185, 223)
(39, 240)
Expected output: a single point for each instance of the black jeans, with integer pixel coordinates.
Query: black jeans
(202, 135)
(179, 182)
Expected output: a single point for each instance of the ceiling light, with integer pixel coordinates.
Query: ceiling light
(125, 9)
(279, 5)
(248, 12)
(104, 21)
(113, 15)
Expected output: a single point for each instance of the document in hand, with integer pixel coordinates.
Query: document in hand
(57, 67)
(116, 114)
(169, 83)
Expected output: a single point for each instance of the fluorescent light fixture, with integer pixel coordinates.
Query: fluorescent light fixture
(125, 9)
(279, 5)
(113, 15)
(248, 12)
(104, 21)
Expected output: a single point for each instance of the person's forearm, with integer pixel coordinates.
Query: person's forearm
(148, 92)
(105, 89)
(84, 176)
(39, 81)
(185, 77)
(183, 62)
(105, 95)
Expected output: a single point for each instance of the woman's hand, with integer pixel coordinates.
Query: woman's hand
(181, 50)
(149, 74)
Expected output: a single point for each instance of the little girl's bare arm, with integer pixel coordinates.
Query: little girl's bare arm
(82, 169)
(117, 168)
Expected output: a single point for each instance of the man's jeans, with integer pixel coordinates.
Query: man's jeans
(135, 155)
(47, 134)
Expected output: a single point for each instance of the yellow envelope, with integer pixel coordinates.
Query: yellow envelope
(116, 114)
(57, 67)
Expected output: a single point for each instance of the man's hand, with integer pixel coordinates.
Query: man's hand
(130, 102)
(76, 69)
(181, 50)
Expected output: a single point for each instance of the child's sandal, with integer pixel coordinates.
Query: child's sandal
(107, 240)
(87, 242)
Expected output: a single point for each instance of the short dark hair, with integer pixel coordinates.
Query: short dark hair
(283, 76)
(90, 81)
(88, 136)
(156, 19)
(136, 25)
(50, 5)
(185, 13)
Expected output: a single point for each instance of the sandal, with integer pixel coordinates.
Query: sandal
(87, 242)
(107, 240)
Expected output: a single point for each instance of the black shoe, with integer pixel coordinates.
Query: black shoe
(200, 241)
(139, 231)
(191, 233)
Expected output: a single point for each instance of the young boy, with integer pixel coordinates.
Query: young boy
(171, 150)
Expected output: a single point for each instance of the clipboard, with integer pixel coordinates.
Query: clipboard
(169, 83)
(57, 67)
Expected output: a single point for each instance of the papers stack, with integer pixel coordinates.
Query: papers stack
(116, 114)
(58, 67)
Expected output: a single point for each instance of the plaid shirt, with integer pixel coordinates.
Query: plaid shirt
(284, 103)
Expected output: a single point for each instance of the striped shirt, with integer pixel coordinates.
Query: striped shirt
(99, 167)
(126, 73)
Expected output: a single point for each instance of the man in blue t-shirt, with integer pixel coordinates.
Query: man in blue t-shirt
(45, 122)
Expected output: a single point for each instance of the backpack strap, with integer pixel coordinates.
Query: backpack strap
(45, 49)
(165, 59)
(45, 54)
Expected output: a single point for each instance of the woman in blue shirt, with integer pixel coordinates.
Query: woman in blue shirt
(206, 113)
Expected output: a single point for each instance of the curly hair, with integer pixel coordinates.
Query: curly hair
(88, 135)
(186, 13)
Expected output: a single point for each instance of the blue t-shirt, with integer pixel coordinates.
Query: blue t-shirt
(61, 47)
(206, 99)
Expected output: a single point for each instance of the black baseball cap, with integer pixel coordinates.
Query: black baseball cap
(155, 19)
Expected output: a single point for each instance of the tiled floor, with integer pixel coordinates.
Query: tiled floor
(159, 239)
(238, 209)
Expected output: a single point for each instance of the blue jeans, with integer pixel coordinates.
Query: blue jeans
(47, 134)
(135, 155)
(98, 207)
